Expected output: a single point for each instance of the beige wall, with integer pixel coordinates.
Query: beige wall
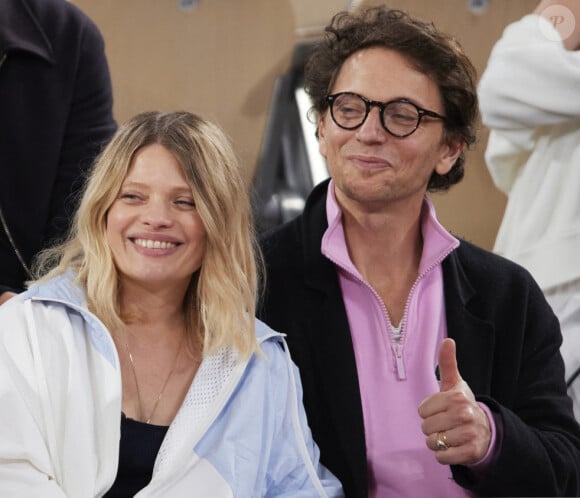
(221, 60)
(311, 15)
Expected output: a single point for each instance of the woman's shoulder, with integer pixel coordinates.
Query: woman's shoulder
(42, 295)
(272, 347)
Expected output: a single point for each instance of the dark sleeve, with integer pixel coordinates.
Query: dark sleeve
(4, 288)
(90, 124)
(540, 446)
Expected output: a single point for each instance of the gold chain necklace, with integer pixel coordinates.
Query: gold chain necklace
(160, 395)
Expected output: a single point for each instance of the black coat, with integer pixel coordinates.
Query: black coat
(56, 110)
(507, 339)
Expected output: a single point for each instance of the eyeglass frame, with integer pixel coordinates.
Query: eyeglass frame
(369, 104)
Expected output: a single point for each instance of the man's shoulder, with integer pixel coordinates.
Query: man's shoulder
(282, 247)
(483, 266)
(305, 229)
(471, 253)
(275, 238)
(64, 25)
(45, 11)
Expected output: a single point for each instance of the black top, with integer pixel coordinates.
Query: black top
(140, 443)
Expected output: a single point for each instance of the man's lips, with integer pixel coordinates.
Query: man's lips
(369, 162)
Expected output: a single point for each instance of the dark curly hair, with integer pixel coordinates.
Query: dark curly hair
(429, 50)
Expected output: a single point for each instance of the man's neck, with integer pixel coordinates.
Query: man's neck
(386, 249)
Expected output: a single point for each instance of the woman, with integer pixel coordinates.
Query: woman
(135, 365)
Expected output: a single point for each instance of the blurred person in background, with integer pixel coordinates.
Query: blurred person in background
(56, 111)
(529, 100)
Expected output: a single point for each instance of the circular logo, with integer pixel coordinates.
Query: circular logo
(561, 18)
(477, 6)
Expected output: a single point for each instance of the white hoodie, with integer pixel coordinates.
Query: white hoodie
(530, 99)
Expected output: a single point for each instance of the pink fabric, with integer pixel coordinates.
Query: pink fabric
(399, 462)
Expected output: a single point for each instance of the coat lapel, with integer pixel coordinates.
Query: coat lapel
(474, 336)
(333, 346)
(332, 343)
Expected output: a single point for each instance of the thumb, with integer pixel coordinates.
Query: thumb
(449, 374)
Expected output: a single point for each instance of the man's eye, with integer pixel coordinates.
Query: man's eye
(404, 117)
(349, 110)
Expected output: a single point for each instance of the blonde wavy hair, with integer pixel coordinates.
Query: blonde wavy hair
(220, 302)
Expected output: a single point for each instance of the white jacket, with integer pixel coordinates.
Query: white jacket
(530, 99)
(240, 432)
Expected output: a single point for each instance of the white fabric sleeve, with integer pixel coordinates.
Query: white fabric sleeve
(531, 80)
(25, 464)
(315, 478)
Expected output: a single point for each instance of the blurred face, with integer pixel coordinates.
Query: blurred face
(153, 228)
(370, 167)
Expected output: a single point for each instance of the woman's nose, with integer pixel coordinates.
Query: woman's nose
(157, 214)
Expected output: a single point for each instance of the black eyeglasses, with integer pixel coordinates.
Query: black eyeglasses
(399, 117)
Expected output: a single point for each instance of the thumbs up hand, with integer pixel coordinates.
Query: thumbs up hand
(455, 426)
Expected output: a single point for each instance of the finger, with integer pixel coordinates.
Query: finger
(448, 371)
(438, 441)
(458, 446)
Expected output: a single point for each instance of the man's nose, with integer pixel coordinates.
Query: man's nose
(372, 129)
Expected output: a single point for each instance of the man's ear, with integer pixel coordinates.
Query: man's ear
(451, 149)
(321, 136)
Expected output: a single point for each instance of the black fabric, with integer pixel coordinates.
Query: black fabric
(56, 111)
(507, 339)
(138, 449)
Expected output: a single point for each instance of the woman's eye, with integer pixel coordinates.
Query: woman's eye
(185, 202)
(129, 196)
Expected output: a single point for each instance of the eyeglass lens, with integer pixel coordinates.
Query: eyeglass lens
(350, 110)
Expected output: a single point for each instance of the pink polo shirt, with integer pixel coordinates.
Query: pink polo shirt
(397, 371)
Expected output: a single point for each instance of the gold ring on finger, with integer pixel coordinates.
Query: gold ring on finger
(441, 441)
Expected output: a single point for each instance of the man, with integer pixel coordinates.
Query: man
(533, 153)
(376, 296)
(56, 110)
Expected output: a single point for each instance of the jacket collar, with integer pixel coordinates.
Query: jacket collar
(21, 31)
(437, 241)
(332, 341)
(319, 270)
(61, 288)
